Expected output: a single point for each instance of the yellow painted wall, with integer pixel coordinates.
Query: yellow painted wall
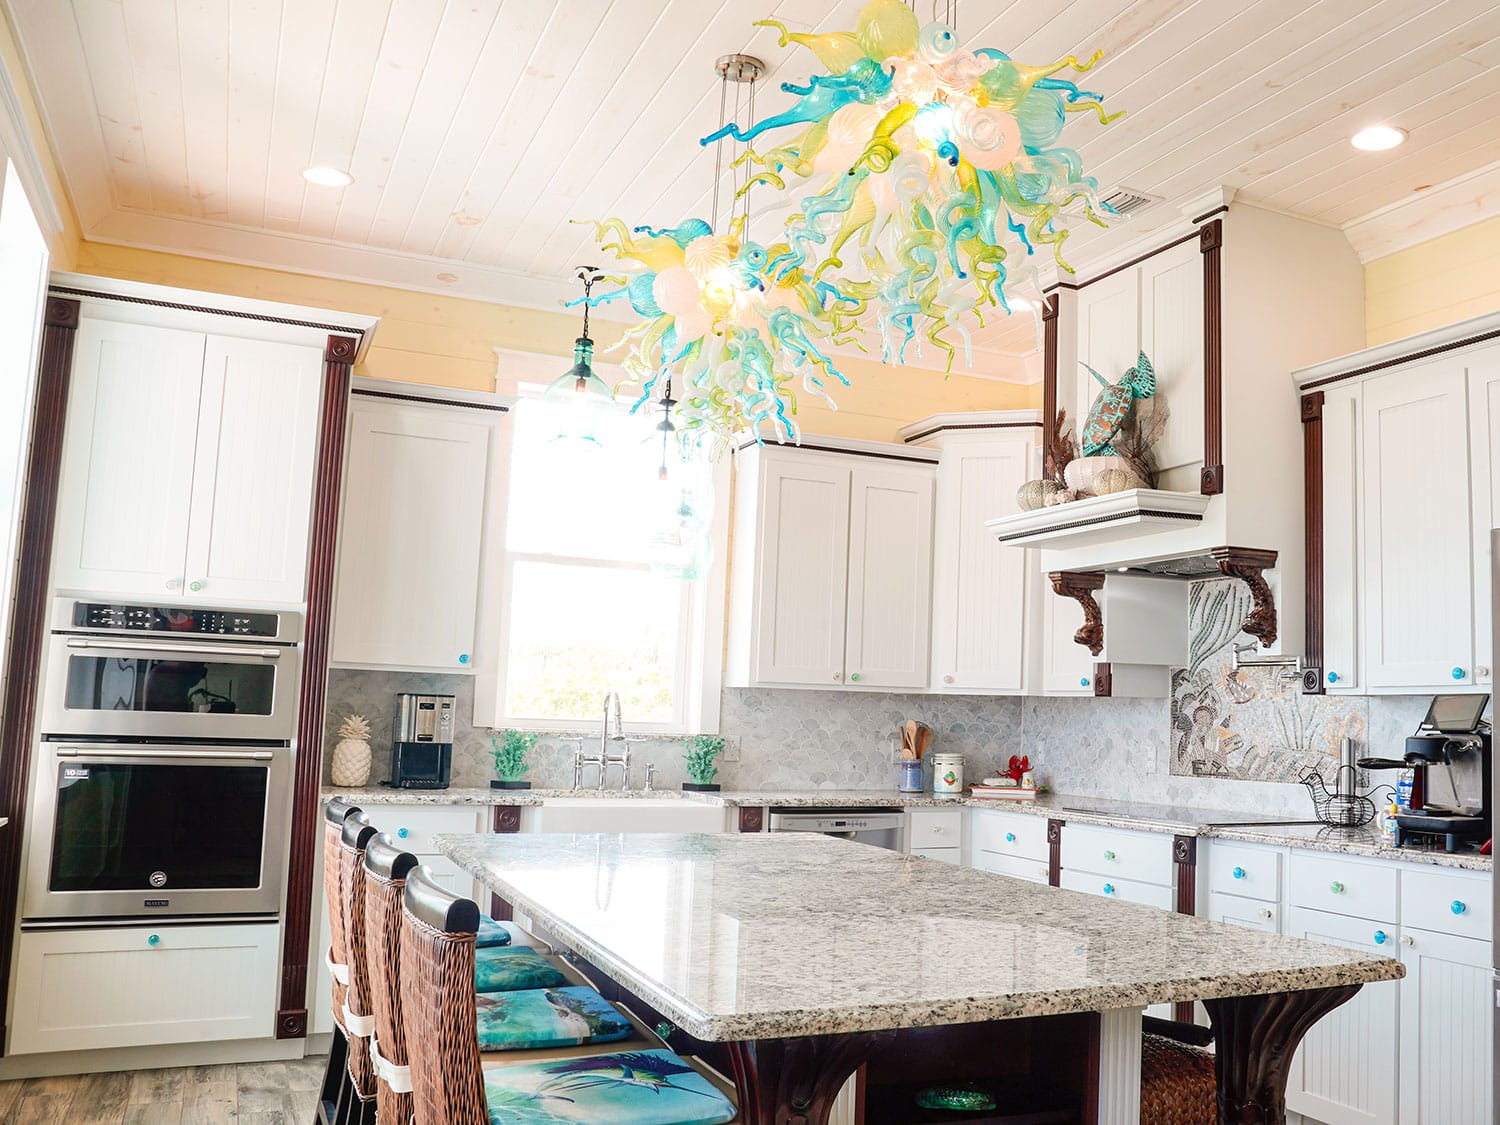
(1433, 283)
(64, 244)
(449, 341)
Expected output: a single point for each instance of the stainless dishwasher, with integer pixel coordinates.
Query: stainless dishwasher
(882, 828)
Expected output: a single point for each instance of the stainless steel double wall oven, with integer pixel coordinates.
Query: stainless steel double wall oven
(162, 777)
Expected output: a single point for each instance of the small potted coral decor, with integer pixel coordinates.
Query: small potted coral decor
(702, 752)
(509, 749)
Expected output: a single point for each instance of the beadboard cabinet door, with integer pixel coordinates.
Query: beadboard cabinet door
(1484, 451)
(803, 572)
(1342, 498)
(1067, 666)
(889, 610)
(252, 475)
(1345, 1071)
(1418, 589)
(979, 592)
(406, 600)
(1446, 1030)
(127, 468)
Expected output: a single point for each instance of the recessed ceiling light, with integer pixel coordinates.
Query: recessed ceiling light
(325, 176)
(1378, 138)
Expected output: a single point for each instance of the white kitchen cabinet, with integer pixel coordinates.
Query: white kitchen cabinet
(1446, 1029)
(890, 577)
(831, 579)
(1067, 667)
(1484, 479)
(135, 986)
(1343, 491)
(1247, 913)
(126, 485)
(1345, 1070)
(1418, 600)
(984, 594)
(187, 465)
(936, 834)
(411, 534)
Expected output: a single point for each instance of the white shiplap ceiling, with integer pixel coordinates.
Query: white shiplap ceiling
(476, 130)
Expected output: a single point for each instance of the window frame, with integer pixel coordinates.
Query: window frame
(699, 674)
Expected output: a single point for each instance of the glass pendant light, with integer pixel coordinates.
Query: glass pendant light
(580, 393)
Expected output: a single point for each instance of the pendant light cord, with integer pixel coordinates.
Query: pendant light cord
(588, 275)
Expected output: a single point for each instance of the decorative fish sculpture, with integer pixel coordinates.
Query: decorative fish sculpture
(1113, 406)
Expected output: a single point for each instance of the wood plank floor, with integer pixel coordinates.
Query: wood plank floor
(263, 1093)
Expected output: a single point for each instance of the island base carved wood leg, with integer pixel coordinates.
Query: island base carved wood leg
(1254, 1038)
(795, 1081)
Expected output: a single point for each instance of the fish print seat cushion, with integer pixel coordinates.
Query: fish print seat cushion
(547, 1017)
(624, 1088)
(506, 968)
(493, 933)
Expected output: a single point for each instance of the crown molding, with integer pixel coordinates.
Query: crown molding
(1441, 209)
(16, 140)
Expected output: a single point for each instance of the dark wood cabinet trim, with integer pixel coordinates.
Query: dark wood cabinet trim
(1104, 680)
(1248, 563)
(504, 819)
(1210, 243)
(1054, 851)
(1050, 320)
(338, 361)
(28, 622)
(1137, 260)
(1185, 858)
(1397, 361)
(1080, 586)
(427, 400)
(752, 818)
(1312, 519)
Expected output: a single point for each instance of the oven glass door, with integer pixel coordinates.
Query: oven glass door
(153, 829)
(123, 687)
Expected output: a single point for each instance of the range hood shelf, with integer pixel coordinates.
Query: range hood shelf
(1131, 514)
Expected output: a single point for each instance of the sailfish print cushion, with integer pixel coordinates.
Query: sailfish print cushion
(547, 1017)
(624, 1088)
(511, 967)
(493, 933)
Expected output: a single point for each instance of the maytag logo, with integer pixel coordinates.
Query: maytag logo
(157, 903)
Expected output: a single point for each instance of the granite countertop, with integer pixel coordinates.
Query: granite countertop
(738, 937)
(1103, 811)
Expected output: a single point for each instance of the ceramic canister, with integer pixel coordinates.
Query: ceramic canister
(947, 775)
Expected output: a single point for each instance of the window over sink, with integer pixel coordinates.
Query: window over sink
(585, 604)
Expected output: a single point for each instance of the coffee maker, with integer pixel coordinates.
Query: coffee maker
(1449, 756)
(422, 753)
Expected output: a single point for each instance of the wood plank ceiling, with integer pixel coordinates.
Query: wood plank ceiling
(478, 130)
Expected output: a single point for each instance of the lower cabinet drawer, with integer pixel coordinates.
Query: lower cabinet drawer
(139, 986)
(1341, 885)
(935, 828)
(1008, 833)
(1455, 903)
(1130, 890)
(1016, 867)
(1249, 913)
(942, 855)
(1244, 870)
(412, 828)
(1118, 853)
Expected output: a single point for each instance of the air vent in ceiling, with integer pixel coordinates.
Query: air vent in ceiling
(1127, 201)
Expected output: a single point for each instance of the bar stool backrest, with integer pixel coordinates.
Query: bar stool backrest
(334, 815)
(386, 868)
(437, 1001)
(356, 834)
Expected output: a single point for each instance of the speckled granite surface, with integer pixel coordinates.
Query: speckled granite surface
(745, 937)
(1364, 841)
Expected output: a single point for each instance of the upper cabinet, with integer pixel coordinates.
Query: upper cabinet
(411, 536)
(831, 576)
(189, 447)
(985, 595)
(1406, 474)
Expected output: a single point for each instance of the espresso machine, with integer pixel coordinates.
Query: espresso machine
(1449, 756)
(422, 752)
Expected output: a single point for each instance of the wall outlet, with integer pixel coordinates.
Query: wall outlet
(731, 751)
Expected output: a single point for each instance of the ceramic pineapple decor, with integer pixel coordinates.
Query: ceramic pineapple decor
(351, 757)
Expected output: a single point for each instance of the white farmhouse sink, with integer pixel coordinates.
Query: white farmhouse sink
(623, 814)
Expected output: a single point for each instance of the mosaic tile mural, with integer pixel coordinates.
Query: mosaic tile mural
(1250, 723)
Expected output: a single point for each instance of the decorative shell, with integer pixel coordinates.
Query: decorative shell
(1111, 480)
(356, 727)
(1064, 496)
(1033, 494)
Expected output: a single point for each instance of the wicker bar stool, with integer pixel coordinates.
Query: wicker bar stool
(449, 1086)
(358, 1021)
(1178, 1083)
(337, 1090)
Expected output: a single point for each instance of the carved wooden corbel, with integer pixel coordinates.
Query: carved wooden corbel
(1247, 563)
(1080, 586)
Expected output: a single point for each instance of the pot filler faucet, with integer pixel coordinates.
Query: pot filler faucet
(611, 730)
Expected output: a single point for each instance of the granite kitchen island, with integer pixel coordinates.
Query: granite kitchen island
(791, 960)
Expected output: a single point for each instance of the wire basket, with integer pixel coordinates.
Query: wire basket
(1342, 809)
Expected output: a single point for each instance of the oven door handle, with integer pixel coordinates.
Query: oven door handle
(175, 755)
(183, 651)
